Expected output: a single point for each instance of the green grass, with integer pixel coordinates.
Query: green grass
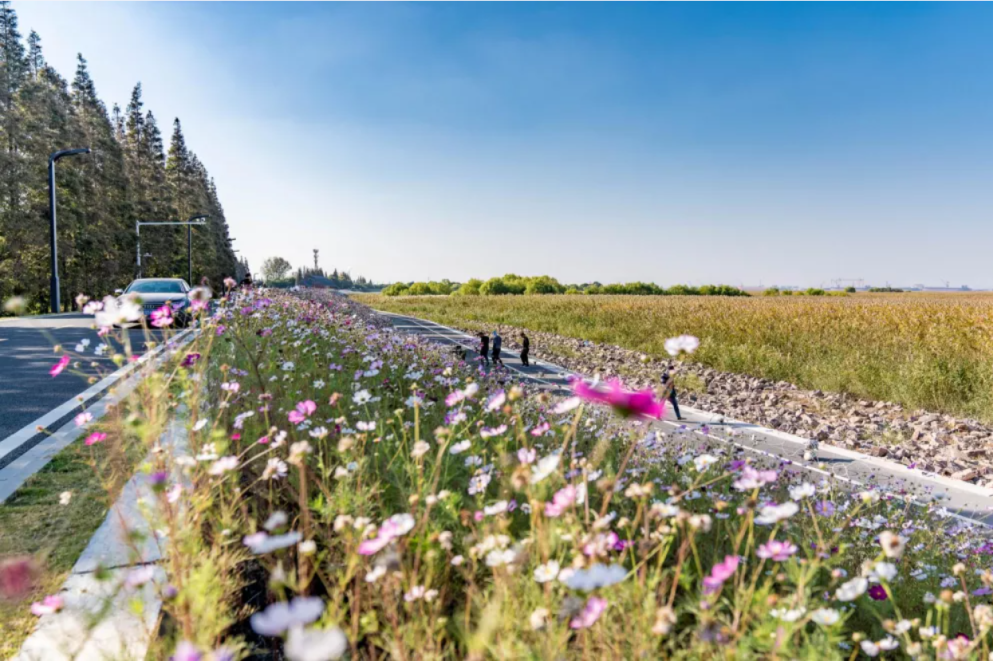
(34, 522)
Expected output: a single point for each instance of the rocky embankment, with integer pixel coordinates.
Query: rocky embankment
(928, 441)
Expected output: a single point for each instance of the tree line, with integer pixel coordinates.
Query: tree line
(129, 176)
(278, 272)
(512, 284)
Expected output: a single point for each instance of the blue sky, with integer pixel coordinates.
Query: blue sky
(739, 143)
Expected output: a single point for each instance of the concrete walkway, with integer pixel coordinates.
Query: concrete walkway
(960, 500)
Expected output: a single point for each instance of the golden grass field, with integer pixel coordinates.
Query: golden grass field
(924, 350)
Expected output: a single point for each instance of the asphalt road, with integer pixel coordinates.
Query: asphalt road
(27, 391)
(961, 501)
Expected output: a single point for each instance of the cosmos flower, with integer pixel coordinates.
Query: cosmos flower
(684, 343)
(801, 491)
(282, 615)
(47, 606)
(590, 614)
(162, 317)
(315, 644)
(892, 544)
(750, 479)
(771, 514)
(852, 590)
(58, 367)
(394, 527)
(641, 404)
(719, 573)
(302, 411)
(597, 576)
(546, 572)
(776, 550)
(825, 616)
(561, 501)
(95, 437)
(545, 467)
(117, 311)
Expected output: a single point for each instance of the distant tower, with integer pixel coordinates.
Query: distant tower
(315, 259)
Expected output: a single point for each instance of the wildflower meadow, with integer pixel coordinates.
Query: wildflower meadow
(352, 492)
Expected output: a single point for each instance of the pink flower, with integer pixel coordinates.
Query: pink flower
(776, 550)
(17, 577)
(302, 412)
(83, 418)
(753, 479)
(561, 501)
(95, 437)
(527, 455)
(162, 317)
(590, 614)
(540, 429)
(719, 573)
(641, 404)
(47, 606)
(59, 366)
(396, 526)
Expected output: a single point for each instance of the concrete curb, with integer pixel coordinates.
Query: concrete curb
(103, 618)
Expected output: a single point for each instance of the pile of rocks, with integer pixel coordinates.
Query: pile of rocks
(934, 442)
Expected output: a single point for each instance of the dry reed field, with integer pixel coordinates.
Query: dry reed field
(923, 350)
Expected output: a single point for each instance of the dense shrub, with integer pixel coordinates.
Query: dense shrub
(813, 291)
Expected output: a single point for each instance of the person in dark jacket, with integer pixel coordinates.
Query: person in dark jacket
(484, 347)
(526, 347)
(497, 344)
(669, 389)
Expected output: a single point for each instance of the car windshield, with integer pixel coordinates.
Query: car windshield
(157, 287)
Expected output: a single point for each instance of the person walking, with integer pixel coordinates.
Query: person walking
(669, 389)
(526, 347)
(497, 344)
(484, 347)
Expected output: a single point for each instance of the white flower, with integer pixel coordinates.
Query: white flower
(539, 618)
(361, 397)
(319, 433)
(499, 557)
(892, 544)
(420, 449)
(825, 616)
(566, 405)
(65, 497)
(888, 644)
(885, 571)
(805, 490)
(366, 426)
(675, 345)
(288, 366)
(457, 560)
(413, 401)
(597, 576)
(223, 465)
(460, 447)
(201, 423)
(116, 312)
(870, 648)
(478, 483)
(208, 452)
(852, 590)
(315, 644)
(546, 572)
(498, 507)
(308, 547)
(704, 461)
(788, 614)
(261, 543)
(771, 514)
(545, 467)
(319, 383)
(496, 401)
(139, 576)
(377, 572)
(276, 520)
(274, 468)
(281, 616)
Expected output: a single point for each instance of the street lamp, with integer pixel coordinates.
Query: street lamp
(195, 220)
(56, 303)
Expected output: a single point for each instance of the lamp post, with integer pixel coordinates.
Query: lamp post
(56, 303)
(195, 220)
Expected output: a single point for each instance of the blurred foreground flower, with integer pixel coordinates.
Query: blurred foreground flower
(315, 644)
(15, 305)
(50, 604)
(282, 615)
(59, 366)
(641, 404)
(17, 577)
(684, 343)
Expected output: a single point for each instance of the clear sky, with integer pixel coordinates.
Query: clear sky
(737, 143)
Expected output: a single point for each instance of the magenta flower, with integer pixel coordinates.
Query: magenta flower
(190, 360)
(719, 573)
(59, 366)
(641, 404)
(590, 614)
(561, 501)
(878, 592)
(47, 606)
(17, 576)
(162, 317)
(396, 526)
(95, 437)
(303, 411)
(776, 550)
(186, 651)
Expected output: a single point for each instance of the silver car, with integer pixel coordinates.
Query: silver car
(153, 293)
